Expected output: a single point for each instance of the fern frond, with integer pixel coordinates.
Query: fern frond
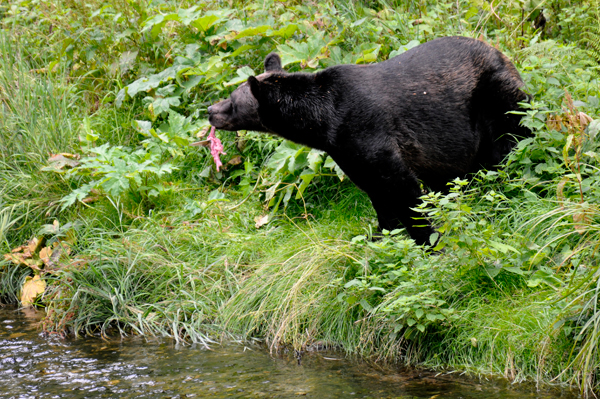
(590, 39)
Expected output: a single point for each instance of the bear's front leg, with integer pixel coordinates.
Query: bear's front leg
(394, 206)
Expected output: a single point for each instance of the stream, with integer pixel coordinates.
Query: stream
(36, 365)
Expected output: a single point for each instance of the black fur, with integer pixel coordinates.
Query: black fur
(436, 112)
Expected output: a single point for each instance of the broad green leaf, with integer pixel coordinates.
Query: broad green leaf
(541, 276)
(77, 195)
(358, 23)
(205, 22)
(161, 105)
(243, 74)
(504, 248)
(492, 271)
(252, 31)
(286, 32)
(143, 127)
(368, 53)
(241, 49)
(431, 316)
(353, 283)
(216, 195)
(365, 305)
(330, 164)
(306, 176)
(515, 270)
(187, 16)
(471, 12)
(147, 83)
(402, 49)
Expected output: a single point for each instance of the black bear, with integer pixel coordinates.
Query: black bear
(434, 113)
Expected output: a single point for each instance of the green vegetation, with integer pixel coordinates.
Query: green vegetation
(133, 229)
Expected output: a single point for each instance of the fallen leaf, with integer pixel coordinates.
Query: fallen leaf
(17, 259)
(8, 257)
(57, 162)
(19, 249)
(23, 253)
(94, 196)
(261, 221)
(203, 143)
(45, 254)
(35, 264)
(34, 246)
(89, 200)
(203, 132)
(235, 160)
(31, 289)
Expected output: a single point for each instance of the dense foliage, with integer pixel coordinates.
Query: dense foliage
(130, 227)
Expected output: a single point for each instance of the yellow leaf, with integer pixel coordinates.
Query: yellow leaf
(203, 132)
(19, 249)
(35, 264)
(45, 255)
(31, 289)
(34, 245)
(15, 258)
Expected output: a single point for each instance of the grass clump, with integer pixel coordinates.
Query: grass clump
(135, 230)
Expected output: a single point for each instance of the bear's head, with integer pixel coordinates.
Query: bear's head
(240, 110)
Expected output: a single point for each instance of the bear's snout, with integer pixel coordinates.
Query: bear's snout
(223, 107)
(219, 113)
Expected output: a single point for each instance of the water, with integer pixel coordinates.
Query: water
(36, 366)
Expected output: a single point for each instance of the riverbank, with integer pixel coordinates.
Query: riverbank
(130, 227)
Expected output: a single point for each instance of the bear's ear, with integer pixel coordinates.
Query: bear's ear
(273, 63)
(254, 86)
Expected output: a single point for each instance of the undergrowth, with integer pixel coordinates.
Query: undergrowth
(133, 230)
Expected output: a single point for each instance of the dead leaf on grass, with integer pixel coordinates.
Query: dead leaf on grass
(235, 160)
(45, 255)
(203, 132)
(35, 244)
(203, 143)
(261, 221)
(58, 162)
(31, 289)
(25, 254)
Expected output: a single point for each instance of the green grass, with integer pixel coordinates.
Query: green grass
(514, 292)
